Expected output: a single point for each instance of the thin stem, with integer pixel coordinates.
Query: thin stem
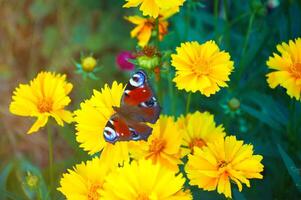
(240, 17)
(251, 20)
(50, 151)
(227, 34)
(157, 42)
(292, 137)
(187, 20)
(289, 20)
(188, 103)
(157, 39)
(292, 123)
(171, 93)
(246, 42)
(216, 16)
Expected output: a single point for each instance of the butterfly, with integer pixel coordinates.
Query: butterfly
(138, 107)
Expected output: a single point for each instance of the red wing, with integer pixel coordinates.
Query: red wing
(139, 93)
(118, 129)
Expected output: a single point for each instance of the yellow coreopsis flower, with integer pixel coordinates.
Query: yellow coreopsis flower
(288, 68)
(85, 181)
(144, 180)
(145, 26)
(198, 130)
(163, 145)
(154, 7)
(201, 67)
(92, 118)
(44, 96)
(222, 161)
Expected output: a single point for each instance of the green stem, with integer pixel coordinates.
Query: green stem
(292, 123)
(187, 20)
(251, 20)
(188, 103)
(216, 16)
(157, 43)
(39, 193)
(171, 93)
(240, 17)
(289, 19)
(50, 151)
(157, 39)
(227, 27)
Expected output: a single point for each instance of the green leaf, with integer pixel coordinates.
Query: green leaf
(291, 167)
(267, 104)
(24, 168)
(261, 115)
(4, 175)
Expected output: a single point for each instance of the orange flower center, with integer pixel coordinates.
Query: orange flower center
(196, 142)
(93, 191)
(157, 146)
(296, 70)
(201, 67)
(45, 105)
(222, 164)
(142, 197)
(223, 167)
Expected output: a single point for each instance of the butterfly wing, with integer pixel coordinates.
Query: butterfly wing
(138, 105)
(118, 129)
(139, 94)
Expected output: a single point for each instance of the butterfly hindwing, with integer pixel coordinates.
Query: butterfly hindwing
(118, 129)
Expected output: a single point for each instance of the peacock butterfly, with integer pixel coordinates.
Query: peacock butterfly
(138, 107)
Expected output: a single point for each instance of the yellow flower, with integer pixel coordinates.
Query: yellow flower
(154, 7)
(85, 181)
(288, 68)
(44, 96)
(91, 119)
(201, 67)
(89, 63)
(145, 26)
(199, 129)
(144, 180)
(223, 161)
(163, 145)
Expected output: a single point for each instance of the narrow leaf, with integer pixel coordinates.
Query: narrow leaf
(291, 167)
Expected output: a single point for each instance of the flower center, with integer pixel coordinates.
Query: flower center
(222, 165)
(196, 142)
(142, 197)
(157, 146)
(93, 191)
(45, 105)
(202, 67)
(150, 23)
(296, 70)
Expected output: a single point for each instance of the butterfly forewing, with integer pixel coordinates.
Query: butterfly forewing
(139, 93)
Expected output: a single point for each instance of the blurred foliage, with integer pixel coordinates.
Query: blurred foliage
(45, 34)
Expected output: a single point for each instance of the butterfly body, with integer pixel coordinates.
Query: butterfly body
(138, 107)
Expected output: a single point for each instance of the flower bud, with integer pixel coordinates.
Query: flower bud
(234, 104)
(122, 60)
(89, 63)
(31, 180)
